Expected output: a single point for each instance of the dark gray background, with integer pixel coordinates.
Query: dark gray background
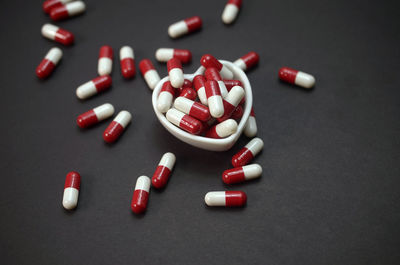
(329, 193)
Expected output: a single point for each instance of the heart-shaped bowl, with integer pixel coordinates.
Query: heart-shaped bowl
(201, 141)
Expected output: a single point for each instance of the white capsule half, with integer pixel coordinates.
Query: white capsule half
(54, 55)
(126, 52)
(255, 146)
(235, 95)
(241, 64)
(176, 77)
(252, 171)
(230, 13)
(216, 106)
(164, 54)
(201, 93)
(164, 101)
(152, 78)
(226, 73)
(104, 111)
(70, 198)
(178, 29)
(86, 90)
(304, 80)
(49, 31)
(75, 8)
(168, 160)
(226, 128)
(104, 66)
(215, 198)
(143, 183)
(123, 118)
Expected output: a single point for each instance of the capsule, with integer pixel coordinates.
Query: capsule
(231, 11)
(163, 171)
(71, 190)
(247, 61)
(57, 34)
(95, 115)
(184, 27)
(199, 84)
(93, 87)
(165, 97)
(117, 126)
(237, 114)
(104, 65)
(213, 74)
(250, 130)
(141, 195)
(296, 77)
(214, 99)
(226, 198)
(165, 54)
(188, 93)
(67, 10)
(48, 64)
(208, 61)
(183, 121)
(231, 101)
(127, 62)
(222, 130)
(231, 83)
(48, 5)
(247, 153)
(241, 174)
(149, 73)
(192, 108)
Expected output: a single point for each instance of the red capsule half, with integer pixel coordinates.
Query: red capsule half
(188, 93)
(140, 195)
(247, 153)
(163, 170)
(117, 126)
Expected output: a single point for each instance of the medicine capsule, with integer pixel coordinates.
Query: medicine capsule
(57, 34)
(95, 115)
(192, 108)
(241, 174)
(231, 101)
(250, 130)
(93, 87)
(188, 93)
(299, 78)
(231, 11)
(175, 72)
(213, 74)
(149, 73)
(222, 130)
(140, 195)
(48, 5)
(104, 65)
(231, 83)
(247, 153)
(71, 190)
(165, 97)
(199, 84)
(117, 126)
(67, 10)
(247, 61)
(48, 64)
(226, 198)
(208, 61)
(165, 54)
(214, 99)
(163, 171)
(237, 114)
(184, 27)
(127, 62)
(183, 121)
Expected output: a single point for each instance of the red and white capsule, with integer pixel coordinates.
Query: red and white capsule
(231, 11)
(166, 97)
(241, 174)
(222, 130)
(226, 198)
(71, 190)
(57, 34)
(163, 171)
(188, 93)
(247, 153)
(67, 10)
(184, 27)
(231, 101)
(175, 72)
(117, 126)
(48, 5)
(250, 130)
(95, 115)
(208, 61)
(199, 83)
(231, 83)
(247, 61)
(299, 78)
(184, 121)
(48, 64)
(149, 73)
(104, 65)
(213, 74)
(237, 114)
(214, 99)
(192, 108)
(140, 195)
(127, 62)
(165, 54)
(93, 87)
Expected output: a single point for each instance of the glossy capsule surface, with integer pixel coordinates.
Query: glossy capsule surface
(237, 114)
(208, 61)
(226, 198)
(104, 65)
(166, 97)
(247, 61)
(250, 130)
(48, 5)
(188, 93)
(185, 26)
(184, 121)
(48, 64)
(149, 73)
(213, 74)
(140, 195)
(241, 174)
(117, 126)
(71, 190)
(229, 83)
(165, 54)
(214, 99)
(192, 108)
(67, 10)
(231, 101)
(247, 153)
(95, 115)
(231, 11)
(93, 87)
(175, 72)
(296, 77)
(127, 62)
(163, 170)
(222, 130)
(57, 34)
(199, 82)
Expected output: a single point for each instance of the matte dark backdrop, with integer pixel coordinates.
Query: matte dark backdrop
(329, 193)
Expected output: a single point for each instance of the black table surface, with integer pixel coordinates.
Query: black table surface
(329, 193)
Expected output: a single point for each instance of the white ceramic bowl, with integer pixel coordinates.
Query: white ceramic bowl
(200, 141)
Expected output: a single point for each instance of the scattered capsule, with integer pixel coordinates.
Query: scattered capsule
(57, 34)
(93, 87)
(247, 61)
(188, 93)
(163, 171)
(95, 115)
(183, 121)
(213, 74)
(241, 174)
(231, 11)
(199, 84)
(48, 64)
(117, 126)
(141, 195)
(231, 101)
(149, 73)
(223, 129)
(71, 190)
(165, 97)
(296, 77)
(104, 65)
(214, 99)
(165, 54)
(48, 5)
(67, 10)
(231, 83)
(247, 153)
(250, 130)
(237, 114)
(208, 61)
(184, 27)
(192, 108)
(175, 72)
(226, 198)
(127, 62)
